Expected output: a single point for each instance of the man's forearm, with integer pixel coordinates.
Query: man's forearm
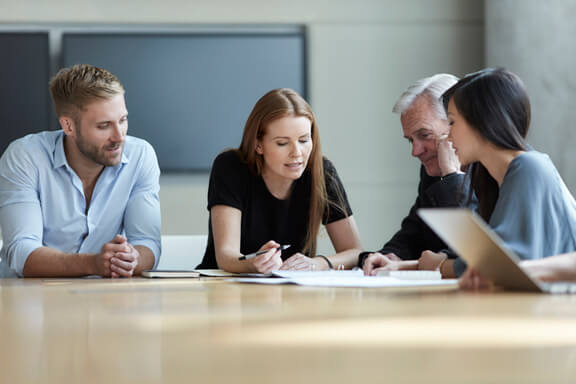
(146, 259)
(49, 262)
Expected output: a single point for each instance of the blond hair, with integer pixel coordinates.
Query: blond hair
(75, 87)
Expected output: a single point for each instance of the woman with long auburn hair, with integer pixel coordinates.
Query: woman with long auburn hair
(271, 195)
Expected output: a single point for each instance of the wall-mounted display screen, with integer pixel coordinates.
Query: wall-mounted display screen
(189, 95)
(188, 91)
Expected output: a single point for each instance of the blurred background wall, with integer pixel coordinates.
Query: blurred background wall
(362, 55)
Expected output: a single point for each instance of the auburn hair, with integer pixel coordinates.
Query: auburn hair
(274, 105)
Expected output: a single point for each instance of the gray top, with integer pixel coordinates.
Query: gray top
(535, 214)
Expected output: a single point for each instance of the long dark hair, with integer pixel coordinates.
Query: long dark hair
(495, 104)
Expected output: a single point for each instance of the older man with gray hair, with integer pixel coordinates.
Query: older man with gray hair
(426, 127)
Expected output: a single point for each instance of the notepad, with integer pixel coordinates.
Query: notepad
(318, 274)
(412, 275)
(375, 282)
(356, 279)
(169, 274)
(222, 273)
(351, 281)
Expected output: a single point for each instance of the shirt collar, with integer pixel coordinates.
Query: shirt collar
(60, 156)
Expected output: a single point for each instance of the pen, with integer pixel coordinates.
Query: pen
(251, 255)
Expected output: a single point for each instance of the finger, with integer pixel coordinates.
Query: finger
(377, 260)
(272, 264)
(477, 283)
(368, 265)
(119, 239)
(375, 271)
(300, 264)
(463, 283)
(367, 268)
(271, 267)
(392, 256)
(272, 252)
(287, 265)
(267, 262)
(468, 279)
(270, 244)
(441, 139)
(295, 259)
(275, 261)
(390, 266)
(122, 272)
(474, 282)
(129, 257)
(303, 266)
(126, 265)
(106, 256)
(113, 247)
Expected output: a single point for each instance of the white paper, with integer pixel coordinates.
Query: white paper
(222, 273)
(318, 274)
(372, 282)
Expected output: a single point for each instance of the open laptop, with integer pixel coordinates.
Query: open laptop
(475, 242)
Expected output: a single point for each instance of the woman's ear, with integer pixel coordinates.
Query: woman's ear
(258, 148)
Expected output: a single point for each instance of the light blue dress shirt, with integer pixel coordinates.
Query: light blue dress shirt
(535, 214)
(42, 200)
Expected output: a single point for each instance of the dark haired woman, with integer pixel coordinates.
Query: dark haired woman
(277, 189)
(520, 193)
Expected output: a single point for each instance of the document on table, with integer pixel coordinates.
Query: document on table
(222, 273)
(350, 279)
(372, 282)
(318, 274)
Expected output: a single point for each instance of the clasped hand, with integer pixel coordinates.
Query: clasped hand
(118, 258)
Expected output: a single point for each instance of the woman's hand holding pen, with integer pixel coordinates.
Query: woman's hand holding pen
(269, 261)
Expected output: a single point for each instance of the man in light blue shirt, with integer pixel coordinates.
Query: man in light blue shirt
(83, 200)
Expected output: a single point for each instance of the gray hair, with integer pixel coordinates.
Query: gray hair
(433, 87)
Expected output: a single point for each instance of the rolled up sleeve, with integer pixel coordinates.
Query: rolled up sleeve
(20, 210)
(142, 219)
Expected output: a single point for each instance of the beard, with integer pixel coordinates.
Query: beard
(99, 155)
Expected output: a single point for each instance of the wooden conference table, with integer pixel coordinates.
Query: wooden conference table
(214, 331)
